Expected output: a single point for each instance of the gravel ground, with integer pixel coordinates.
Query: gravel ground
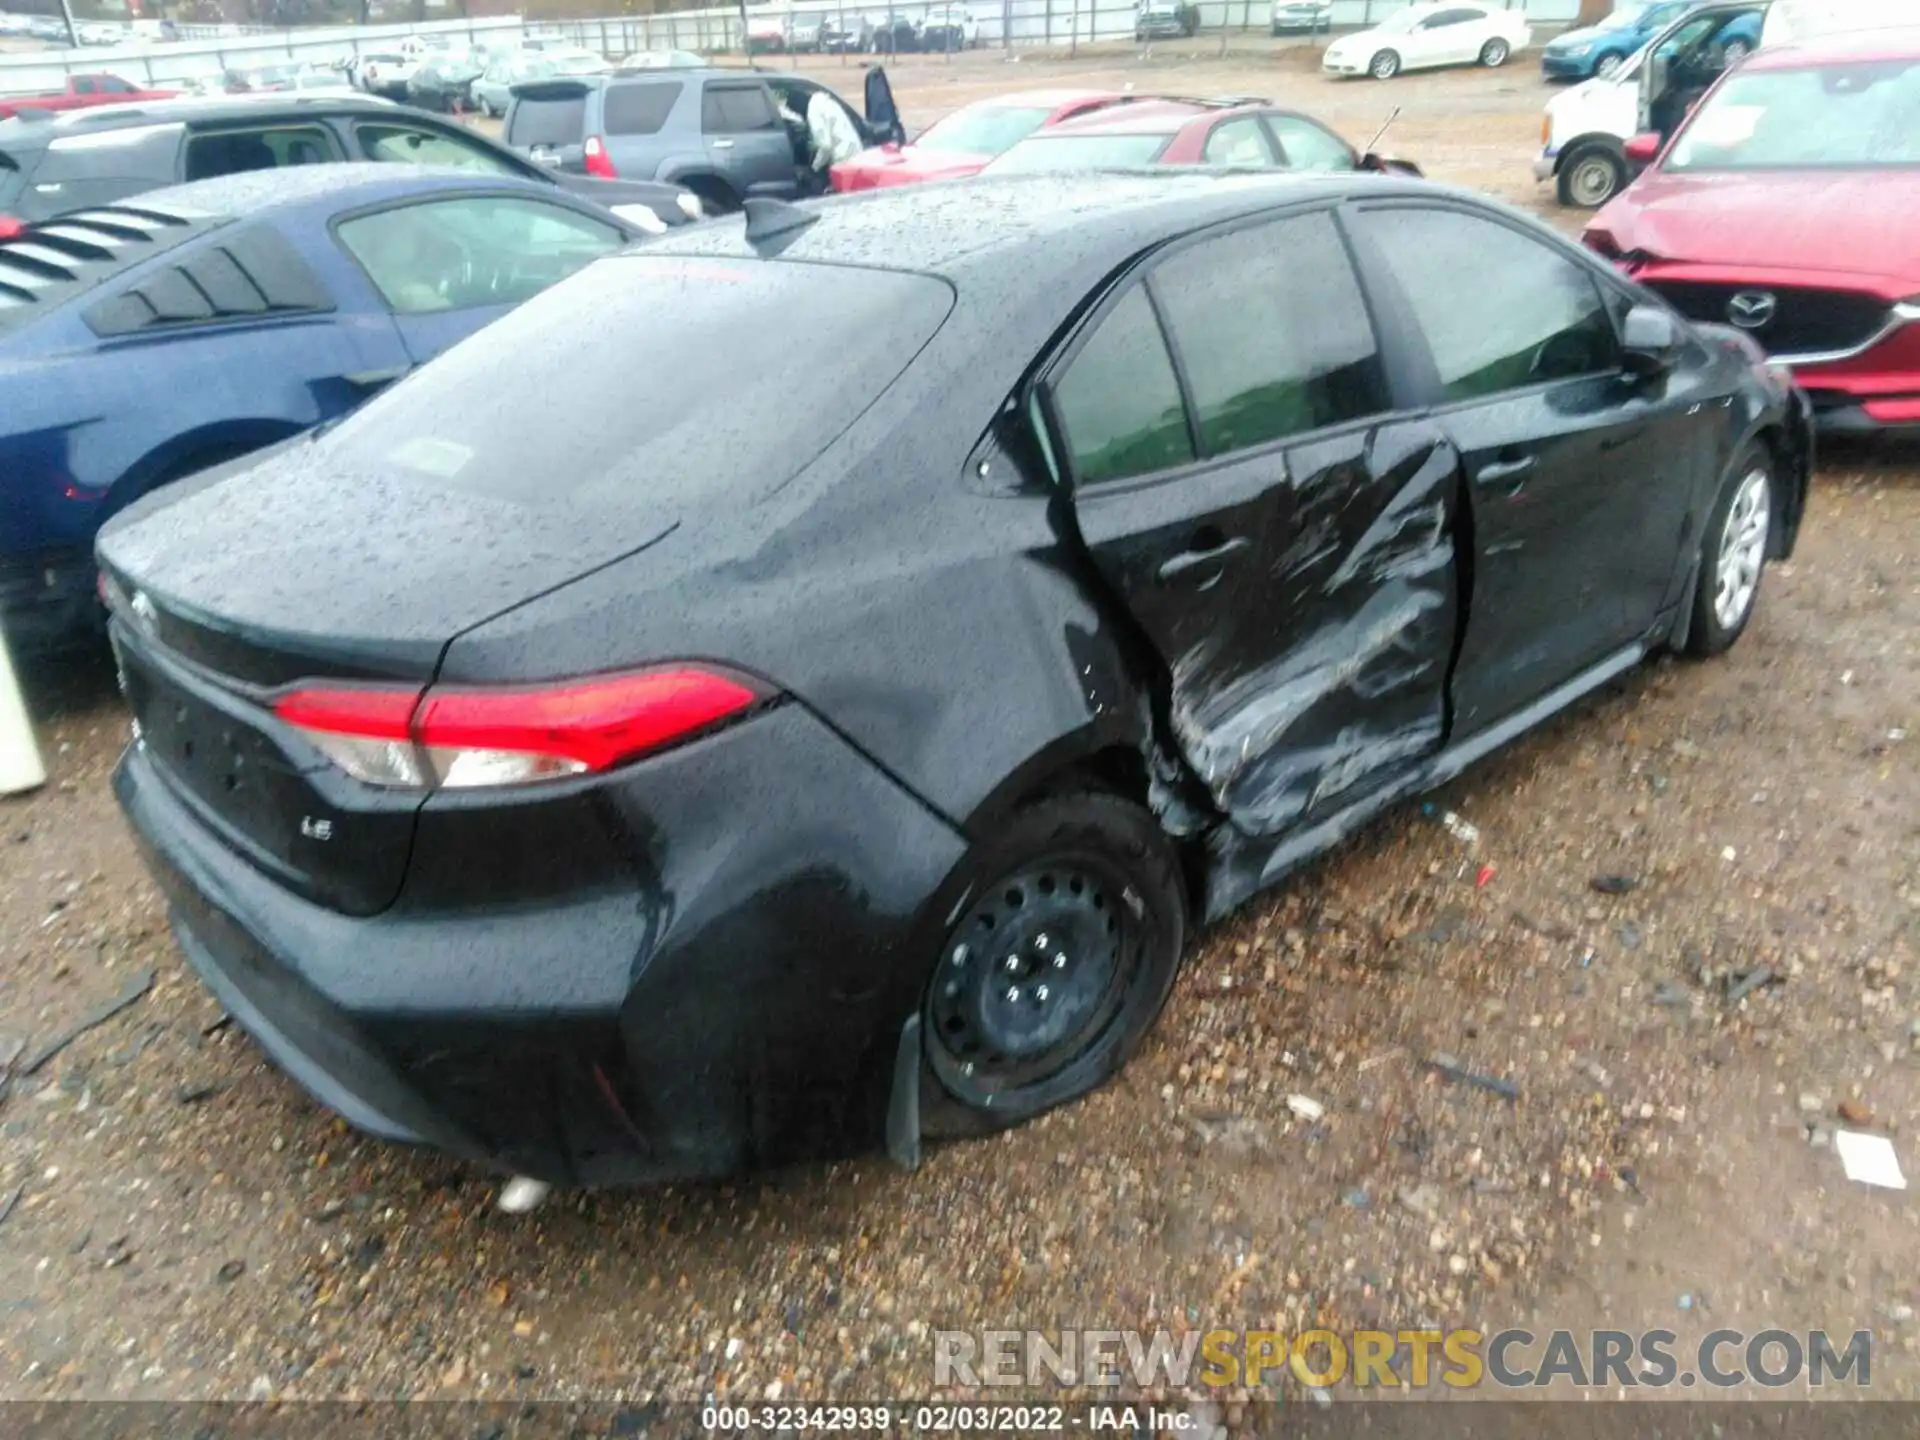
(188, 1225)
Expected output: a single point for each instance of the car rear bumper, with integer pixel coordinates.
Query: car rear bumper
(47, 600)
(737, 1005)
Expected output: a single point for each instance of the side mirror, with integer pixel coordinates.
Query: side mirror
(1650, 340)
(1644, 148)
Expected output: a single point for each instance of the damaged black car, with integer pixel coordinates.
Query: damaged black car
(801, 686)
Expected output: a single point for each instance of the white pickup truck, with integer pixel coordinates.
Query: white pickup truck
(1584, 133)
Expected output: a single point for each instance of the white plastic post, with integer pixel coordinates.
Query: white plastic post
(20, 767)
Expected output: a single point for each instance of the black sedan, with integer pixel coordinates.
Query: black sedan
(722, 763)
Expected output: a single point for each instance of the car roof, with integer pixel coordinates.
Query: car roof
(1026, 234)
(1853, 46)
(1146, 117)
(37, 129)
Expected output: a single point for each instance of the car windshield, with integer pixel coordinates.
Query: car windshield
(1854, 115)
(1626, 17)
(636, 402)
(1079, 152)
(982, 129)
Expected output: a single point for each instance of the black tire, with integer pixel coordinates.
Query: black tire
(1385, 65)
(1717, 619)
(1079, 894)
(716, 196)
(1591, 176)
(1495, 53)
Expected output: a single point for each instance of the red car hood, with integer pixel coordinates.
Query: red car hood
(1853, 222)
(903, 165)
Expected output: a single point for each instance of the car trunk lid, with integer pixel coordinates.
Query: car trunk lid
(264, 575)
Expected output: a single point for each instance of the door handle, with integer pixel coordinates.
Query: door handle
(1189, 561)
(723, 144)
(1512, 470)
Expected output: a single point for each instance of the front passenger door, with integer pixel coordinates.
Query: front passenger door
(1579, 476)
(1279, 536)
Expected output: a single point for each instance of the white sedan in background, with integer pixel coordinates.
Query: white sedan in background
(1424, 36)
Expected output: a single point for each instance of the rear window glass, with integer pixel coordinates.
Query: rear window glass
(638, 109)
(543, 120)
(657, 385)
(1080, 152)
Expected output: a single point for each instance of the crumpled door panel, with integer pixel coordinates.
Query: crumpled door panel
(1367, 606)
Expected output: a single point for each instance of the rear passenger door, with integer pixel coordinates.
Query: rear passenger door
(1281, 534)
(633, 114)
(746, 141)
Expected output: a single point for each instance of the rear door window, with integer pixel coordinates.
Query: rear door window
(1307, 146)
(471, 252)
(638, 109)
(233, 152)
(415, 145)
(736, 110)
(548, 120)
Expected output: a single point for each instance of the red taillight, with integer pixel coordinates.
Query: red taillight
(599, 163)
(10, 227)
(461, 737)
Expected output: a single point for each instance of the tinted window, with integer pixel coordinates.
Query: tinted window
(736, 110)
(1240, 143)
(235, 151)
(547, 120)
(405, 145)
(1550, 322)
(645, 408)
(1308, 147)
(460, 254)
(1453, 17)
(1273, 332)
(638, 109)
(1119, 402)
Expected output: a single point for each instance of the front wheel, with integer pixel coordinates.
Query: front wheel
(1734, 52)
(1608, 65)
(1494, 53)
(1733, 553)
(1591, 177)
(1385, 65)
(1072, 921)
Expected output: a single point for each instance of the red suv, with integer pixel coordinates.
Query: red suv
(1785, 207)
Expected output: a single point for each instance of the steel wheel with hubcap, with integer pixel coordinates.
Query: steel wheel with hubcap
(1068, 936)
(1733, 556)
(1494, 53)
(1590, 178)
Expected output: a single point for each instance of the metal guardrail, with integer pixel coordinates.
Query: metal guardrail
(773, 29)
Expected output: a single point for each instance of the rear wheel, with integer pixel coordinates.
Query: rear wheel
(1733, 554)
(1071, 926)
(1385, 65)
(1494, 53)
(1590, 177)
(716, 196)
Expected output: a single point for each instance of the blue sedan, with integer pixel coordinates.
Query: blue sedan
(145, 341)
(1602, 49)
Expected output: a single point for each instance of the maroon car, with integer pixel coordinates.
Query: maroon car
(1785, 206)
